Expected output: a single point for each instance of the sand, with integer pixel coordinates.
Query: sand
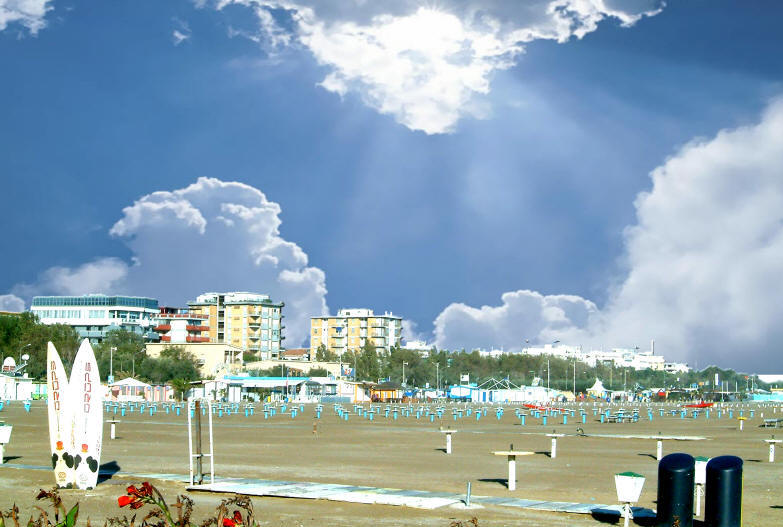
(406, 453)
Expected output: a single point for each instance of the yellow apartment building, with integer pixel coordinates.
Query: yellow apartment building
(249, 321)
(351, 328)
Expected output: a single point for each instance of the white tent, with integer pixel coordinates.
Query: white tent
(597, 389)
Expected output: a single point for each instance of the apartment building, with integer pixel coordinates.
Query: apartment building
(179, 326)
(249, 321)
(350, 329)
(92, 316)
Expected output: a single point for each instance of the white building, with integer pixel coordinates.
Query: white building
(419, 346)
(92, 316)
(494, 353)
(619, 357)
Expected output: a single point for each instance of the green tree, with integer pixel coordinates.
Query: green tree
(23, 334)
(368, 366)
(125, 349)
(181, 387)
(173, 363)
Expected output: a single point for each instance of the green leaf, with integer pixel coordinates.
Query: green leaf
(70, 518)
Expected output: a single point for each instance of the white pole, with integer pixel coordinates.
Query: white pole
(211, 447)
(448, 444)
(190, 444)
(2, 447)
(626, 513)
(512, 473)
(554, 448)
(659, 451)
(113, 434)
(772, 452)
(699, 492)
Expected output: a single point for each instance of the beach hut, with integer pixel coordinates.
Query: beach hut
(129, 389)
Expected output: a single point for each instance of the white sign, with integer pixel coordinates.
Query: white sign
(464, 377)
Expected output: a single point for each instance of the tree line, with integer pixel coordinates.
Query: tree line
(443, 368)
(24, 334)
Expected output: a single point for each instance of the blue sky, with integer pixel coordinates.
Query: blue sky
(532, 187)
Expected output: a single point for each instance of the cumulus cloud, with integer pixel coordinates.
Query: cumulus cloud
(11, 303)
(30, 13)
(703, 274)
(522, 315)
(426, 64)
(212, 235)
(411, 332)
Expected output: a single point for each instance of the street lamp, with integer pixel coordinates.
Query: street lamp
(403, 372)
(111, 363)
(437, 378)
(574, 379)
(547, 377)
(20, 351)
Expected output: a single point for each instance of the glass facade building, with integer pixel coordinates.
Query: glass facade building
(92, 316)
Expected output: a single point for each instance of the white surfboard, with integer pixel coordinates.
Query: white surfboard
(87, 402)
(60, 419)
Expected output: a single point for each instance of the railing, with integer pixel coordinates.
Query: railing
(197, 328)
(162, 327)
(196, 339)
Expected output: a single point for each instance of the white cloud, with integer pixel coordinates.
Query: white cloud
(704, 275)
(212, 235)
(179, 37)
(410, 331)
(93, 277)
(181, 32)
(11, 303)
(30, 13)
(522, 315)
(427, 65)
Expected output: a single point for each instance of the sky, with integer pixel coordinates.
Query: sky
(600, 172)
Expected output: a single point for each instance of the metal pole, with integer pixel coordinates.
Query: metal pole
(547, 377)
(197, 416)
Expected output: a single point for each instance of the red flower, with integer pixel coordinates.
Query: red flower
(144, 491)
(122, 501)
(136, 497)
(238, 517)
(228, 522)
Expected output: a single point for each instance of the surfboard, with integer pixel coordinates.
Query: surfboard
(60, 419)
(87, 401)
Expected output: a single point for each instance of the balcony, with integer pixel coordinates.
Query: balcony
(197, 328)
(162, 327)
(165, 338)
(196, 339)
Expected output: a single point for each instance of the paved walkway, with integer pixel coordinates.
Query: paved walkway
(419, 499)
